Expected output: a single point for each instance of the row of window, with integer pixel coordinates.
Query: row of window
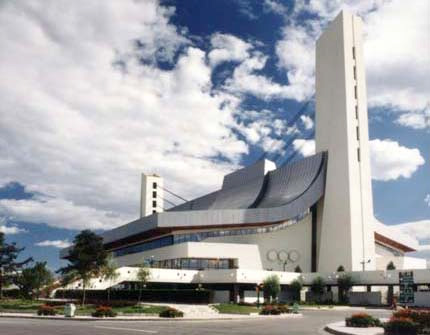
(356, 102)
(196, 263)
(200, 236)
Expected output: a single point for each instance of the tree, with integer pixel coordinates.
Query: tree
(318, 286)
(272, 286)
(9, 267)
(110, 273)
(344, 284)
(340, 269)
(87, 258)
(295, 287)
(33, 279)
(391, 266)
(143, 276)
(298, 269)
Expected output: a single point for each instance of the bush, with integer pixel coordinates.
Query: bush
(400, 326)
(318, 286)
(362, 320)
(284, 309)
(171, 313)
(421, 317)
(270, 310)
(103, 311)
(296, 287)
(272, 286)
(46, 310)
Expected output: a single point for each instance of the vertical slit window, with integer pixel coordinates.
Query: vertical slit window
(356, 112)
(154, 185)
(358, 154)
(355, 91)
(154, 204)
(353, 52)
(355, 72)
(154, 194)
(358, 134)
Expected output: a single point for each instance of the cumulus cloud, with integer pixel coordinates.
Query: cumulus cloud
(11, 230)
(307, 121)
(396, 78)
(389, 160)
(274, 6)
(226, 47)
(54, 243)
(305, 147)
(419, 229)
(86, 109)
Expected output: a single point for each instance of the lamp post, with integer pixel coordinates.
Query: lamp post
(363, 263)
(258, 288)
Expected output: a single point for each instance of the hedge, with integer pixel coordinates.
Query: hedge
(160, 295)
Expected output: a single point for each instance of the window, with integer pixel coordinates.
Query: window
(358, 154)
(358, 134)
(154, 204)
(154, 211)
(154, 194)
(355, 72)
(356, 112)
(353, 52)
(355, 91)
(154, 186)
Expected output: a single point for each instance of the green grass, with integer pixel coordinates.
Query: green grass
(29, 306)
(236, 309)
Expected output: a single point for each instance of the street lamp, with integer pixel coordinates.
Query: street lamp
(363, 263)
(258, 288)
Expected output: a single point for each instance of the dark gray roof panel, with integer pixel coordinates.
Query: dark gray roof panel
(290, 181)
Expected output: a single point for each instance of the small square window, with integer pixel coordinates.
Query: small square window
(154, 204)
(154, 194)
(154, 185)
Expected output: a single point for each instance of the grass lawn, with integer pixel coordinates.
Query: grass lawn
(31, 306)
(236, 309)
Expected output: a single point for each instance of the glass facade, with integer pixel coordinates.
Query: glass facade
(196, 263)
(135, 248)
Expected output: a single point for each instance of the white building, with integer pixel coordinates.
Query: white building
(315, 213)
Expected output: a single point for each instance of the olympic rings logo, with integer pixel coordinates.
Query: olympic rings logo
(283, 256)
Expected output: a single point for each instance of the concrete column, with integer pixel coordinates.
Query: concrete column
(369, 288)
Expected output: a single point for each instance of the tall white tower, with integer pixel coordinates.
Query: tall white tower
(345, 234)
(152, 194)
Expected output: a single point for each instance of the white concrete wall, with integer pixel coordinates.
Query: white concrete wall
(146, 196)
(295, 237)
(345, 227)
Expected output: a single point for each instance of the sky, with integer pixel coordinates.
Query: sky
(96, 92)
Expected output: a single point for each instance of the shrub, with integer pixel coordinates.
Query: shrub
(296, 287)
(171, 312)
(340, 268)
(344, 283)
(103, 311)
(272, 286)
(362, 320)
(46, 310)
(421, 317)
(284, 309)
(270, 310)
(400, 326)
(391, 266)
(318, 286)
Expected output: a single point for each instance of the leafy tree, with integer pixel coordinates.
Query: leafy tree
(340, 269)
(344, 283)
(143, 276)
(296, 286)
(33, 279)
(298, 269)
(318, 286)
(110, 273)
(87, 258)
(9, 267)
(391, 266)
(272, 286)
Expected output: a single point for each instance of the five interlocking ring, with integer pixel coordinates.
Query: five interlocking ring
(282, 255)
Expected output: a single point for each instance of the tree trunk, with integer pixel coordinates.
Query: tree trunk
(140, 293)
(108, 292)
(1, 288)
(83, 293)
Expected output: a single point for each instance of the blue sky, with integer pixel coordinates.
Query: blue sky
(93, 95)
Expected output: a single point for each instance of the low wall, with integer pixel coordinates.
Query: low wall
(422, 299)
(365, 298)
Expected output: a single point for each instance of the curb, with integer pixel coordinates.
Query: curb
(329, 329)
(227, 318)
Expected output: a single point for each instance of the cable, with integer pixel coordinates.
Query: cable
(168, 201)
(297, 150)
(174, 194)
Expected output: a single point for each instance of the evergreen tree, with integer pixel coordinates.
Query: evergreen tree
(33, 279)
(298, 269)
(340, 269)
(9, 267)
(272, 287)
(87, 258)
(391, 266)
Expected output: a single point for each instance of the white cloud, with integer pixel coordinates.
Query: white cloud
(305, 147)
(226, 47)
(418, 229)
(85, 111)
(396, 77)
(275, 7)
(11, 230)
(390, 161)
(427, 199)
(54, 243)
(307, 122)
(247, 80)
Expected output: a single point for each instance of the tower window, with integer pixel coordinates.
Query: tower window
(154, 194)
(154, 211)
(353, 52)
(358, 154)
(356, 112)
(154, 204)
(154, 185)
(355, 91)
(355, 72)
(358, 133)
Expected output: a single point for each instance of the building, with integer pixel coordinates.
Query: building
(315, 213)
